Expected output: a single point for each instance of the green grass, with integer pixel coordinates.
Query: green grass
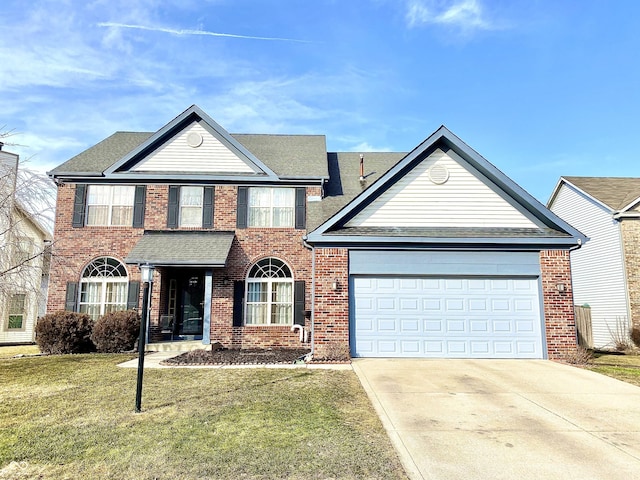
(73, 417)
(12, 351)
(622, 367)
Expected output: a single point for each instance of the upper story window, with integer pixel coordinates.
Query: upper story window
(267, 207)
(110, 205)
(103, 287)
(190, 207)
(271, 207)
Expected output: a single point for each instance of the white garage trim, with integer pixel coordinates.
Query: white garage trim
(446, 317)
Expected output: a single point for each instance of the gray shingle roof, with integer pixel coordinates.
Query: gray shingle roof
(615, 192)
(449, 232)
(101, 156)
(289, 155)
(286, 155)
(344, 184)
(190, 248)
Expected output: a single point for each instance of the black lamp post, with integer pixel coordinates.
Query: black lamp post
(146, 272)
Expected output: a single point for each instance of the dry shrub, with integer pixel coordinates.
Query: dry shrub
(64, 332)
(332, 353)
(634, 333)
(116, 332)
(581, 356)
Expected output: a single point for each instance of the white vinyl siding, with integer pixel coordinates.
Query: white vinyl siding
(462, 201)
(597, 267)
(176, 155)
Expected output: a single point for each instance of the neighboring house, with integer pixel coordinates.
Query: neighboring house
(24, 261)
(606, 270)
(434, 253)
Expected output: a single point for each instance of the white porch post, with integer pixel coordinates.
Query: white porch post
(206, 319)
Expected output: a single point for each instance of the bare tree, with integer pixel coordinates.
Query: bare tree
(27, 204)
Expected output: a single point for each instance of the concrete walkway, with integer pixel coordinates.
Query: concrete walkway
(505, 419)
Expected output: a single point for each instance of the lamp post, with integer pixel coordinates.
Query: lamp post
(146, 272)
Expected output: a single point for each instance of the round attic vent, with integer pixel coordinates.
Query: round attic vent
(438, 174)
(194, 139)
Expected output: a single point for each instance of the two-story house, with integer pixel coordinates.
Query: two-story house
(24, 259)
(431, 253)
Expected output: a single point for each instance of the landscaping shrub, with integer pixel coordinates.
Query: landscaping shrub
(116, 331)
(64, 332)
(635, 335)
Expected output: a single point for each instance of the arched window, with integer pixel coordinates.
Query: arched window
(269, 293)
(103, 287)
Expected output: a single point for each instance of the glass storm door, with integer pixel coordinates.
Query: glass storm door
(192, 306)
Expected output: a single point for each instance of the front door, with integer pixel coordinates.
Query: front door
(192, 306)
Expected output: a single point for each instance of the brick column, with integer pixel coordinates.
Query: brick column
(630, 229)
(331, 311)
(559, 317)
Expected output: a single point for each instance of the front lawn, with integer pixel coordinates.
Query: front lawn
(622, 367)
(73, 417)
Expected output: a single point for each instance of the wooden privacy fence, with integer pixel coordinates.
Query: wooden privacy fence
(583, 325)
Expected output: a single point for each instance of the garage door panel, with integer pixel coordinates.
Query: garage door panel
(447, 317)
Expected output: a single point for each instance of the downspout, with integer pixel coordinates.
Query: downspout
(313, 292)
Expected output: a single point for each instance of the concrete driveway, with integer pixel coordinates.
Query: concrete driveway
(505, 419)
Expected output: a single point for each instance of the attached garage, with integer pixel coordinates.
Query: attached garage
(445, 305)
(442, 256)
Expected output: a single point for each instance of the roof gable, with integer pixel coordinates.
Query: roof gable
(441, 191)
(618, 194)
(502, 191)
(194, 136)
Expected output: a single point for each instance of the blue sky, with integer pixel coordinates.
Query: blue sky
(539, 88)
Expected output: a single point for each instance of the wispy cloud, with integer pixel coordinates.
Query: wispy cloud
(174, 31)
(467, 15)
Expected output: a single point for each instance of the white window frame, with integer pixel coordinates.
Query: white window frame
(252, 219)
(182, 206)
(101, 274)
(111, 204)
(269, 273)
(22, 313)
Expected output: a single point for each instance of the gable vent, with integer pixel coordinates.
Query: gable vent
(438, 174)
(194, 139)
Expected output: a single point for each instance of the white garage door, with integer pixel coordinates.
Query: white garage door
(446, 317)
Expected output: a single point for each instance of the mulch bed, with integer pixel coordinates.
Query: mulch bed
(238, 357)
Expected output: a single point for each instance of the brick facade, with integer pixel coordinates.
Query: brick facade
(630, 229)
(331, 309)
(74, 248)
(559, 317)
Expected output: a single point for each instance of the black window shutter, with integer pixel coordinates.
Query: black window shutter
(238, 303)
(172, 211)
(298, 302)
(70, 299)
(207, 208)
(133, 295)
(241, 216)
(138, 206)
(301, 211)
(79, 205)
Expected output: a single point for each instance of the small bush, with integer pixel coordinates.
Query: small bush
(635, 335)
(582, 356)
(116, 331)
(64, 332)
